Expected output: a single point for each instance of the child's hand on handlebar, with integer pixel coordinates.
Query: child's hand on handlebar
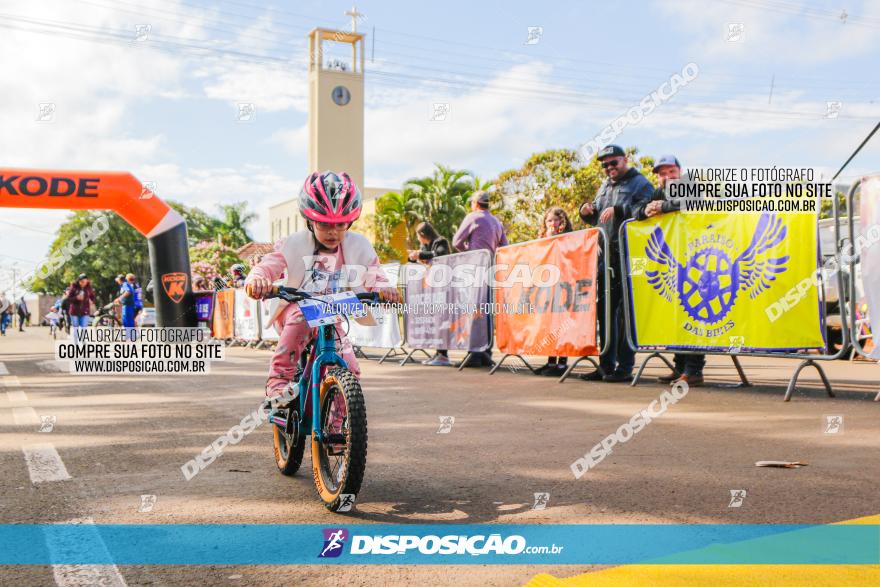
(258, 288)
(389, 294)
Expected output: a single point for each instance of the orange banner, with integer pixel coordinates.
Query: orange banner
(224, 303)
(563, 320)
(84, 190)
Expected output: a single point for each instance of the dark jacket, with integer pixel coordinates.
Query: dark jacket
(658, 195)
(80, 307)
(626, 196)
(438, 248)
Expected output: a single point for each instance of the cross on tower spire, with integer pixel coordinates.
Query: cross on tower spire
(354, 14)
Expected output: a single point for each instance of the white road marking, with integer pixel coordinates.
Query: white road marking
(44, 463)
(10, 381)
(53, 366)
(16, 395)
(25, 416)
(82, 575)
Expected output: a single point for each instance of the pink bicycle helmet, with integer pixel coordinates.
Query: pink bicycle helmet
(328, 197)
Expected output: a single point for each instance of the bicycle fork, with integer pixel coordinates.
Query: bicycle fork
(325, 354)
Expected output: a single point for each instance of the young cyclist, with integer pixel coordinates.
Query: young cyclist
(53, 317)
(316, 260)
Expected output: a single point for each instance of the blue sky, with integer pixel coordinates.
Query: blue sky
(164, 107)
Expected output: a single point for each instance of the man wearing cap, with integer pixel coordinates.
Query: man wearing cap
(480, 230)
(621, 195)
(688, 367)
(128, 298)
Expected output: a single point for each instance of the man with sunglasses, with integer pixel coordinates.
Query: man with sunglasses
(620, 197)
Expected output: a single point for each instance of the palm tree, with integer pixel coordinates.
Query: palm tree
(393, 209)
(478, 184)
(442, 197)
(232, 226)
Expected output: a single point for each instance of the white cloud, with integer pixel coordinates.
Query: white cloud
(270, 87)
(402, 140)
(259, 186)
(294, 141)
(92, 86)
(786, 35)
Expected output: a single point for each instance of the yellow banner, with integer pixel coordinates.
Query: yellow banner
(725, 281)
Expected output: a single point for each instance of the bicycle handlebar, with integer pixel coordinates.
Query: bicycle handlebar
(291, 294)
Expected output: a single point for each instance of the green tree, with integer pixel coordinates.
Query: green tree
(441, 198)
(557, 177)
(200, 226)
(121, 249)
(233, 222)
(826, 205)
(392, 210)
(211, 258)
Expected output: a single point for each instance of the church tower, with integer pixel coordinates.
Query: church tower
(336, 101)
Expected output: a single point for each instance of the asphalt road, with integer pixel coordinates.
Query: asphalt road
(514, 435)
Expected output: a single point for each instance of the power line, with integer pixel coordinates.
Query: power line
(616, 76)
(511, 57)
(171, 44)
(27, 227)
(107, 36)
(204, 21)
(18, 258)
(856, 152)
(97, 35)
(812, 12)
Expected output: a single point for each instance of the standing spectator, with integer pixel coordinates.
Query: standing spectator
(24, 314)
(128, 299)
(433, 246)
(5, 313)
(238, 275)
(65, 312)
(480, 230)
(81, 296)
(688, 367)
(199, 282)
(619, 198)
(556, 221)
(138, 297)
(120, 281)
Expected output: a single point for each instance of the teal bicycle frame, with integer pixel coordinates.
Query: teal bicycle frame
(323, 354)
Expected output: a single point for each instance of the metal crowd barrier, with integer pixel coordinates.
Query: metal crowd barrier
(405, 333)
(606, 336)
(854, 258)
(807, 359)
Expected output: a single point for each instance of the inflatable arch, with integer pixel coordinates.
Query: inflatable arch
(120, 192)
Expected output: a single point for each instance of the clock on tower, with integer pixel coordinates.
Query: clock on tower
(336, 102)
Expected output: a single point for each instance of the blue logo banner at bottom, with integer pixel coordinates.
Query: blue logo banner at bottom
(173, 544)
